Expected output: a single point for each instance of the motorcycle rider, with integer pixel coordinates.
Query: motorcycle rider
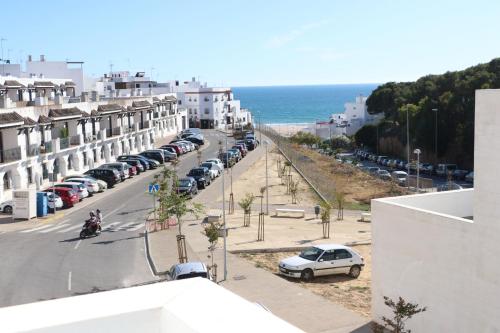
(99, 216)
(92, 223)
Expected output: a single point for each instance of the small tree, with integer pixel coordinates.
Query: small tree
(340, 199)
(326, 210)
(402, 311)
(246, 205)
(211, 231)
(294, 190)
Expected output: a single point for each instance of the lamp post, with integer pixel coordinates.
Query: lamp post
(408, 146)
(436, 134)
(224, 219)
(266, 143)
(417, 151)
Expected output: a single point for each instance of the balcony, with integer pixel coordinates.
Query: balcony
(109, 132)
(89, 138)
(46, 147)
(117, 131)
(127, 130)
(75, 140)
(64, 143)
(33, 150)
(10, 155)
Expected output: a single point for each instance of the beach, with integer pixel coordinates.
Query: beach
(290, 129)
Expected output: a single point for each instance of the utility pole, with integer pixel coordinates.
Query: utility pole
(418, 151)
(436, 134)
(267, 188)
(408, 145)
(3, 60)
(224, 218)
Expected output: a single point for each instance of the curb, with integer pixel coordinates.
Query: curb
(289, 249)
(151, 262)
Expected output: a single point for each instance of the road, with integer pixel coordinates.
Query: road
(50, 261)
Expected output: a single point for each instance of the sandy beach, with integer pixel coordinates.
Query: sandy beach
(291, 129)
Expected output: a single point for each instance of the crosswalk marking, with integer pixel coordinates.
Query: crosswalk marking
(137, 227)
(53, 228)
(110, 226)
(126, 225)
(78, 226)
(36, 229)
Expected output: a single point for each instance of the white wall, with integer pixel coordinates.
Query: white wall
(446, 263)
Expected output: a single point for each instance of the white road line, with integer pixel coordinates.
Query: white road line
(113, 211)
(141, 225)
(126, 225)
(54, 228)
(36, 229)
(110, 226)
(77, 244)
(69, 281)
(70, 228)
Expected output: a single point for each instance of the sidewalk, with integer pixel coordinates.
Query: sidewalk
(286, 299)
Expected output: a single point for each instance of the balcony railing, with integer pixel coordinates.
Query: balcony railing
(89, 138)
(64, 143)
(127, 130)
(171, 112)
(46, 147)
(33, 150)
(109, 132)
(75, 140)
(117, 131)
(156, 114)
(10, 155)
(164, 113)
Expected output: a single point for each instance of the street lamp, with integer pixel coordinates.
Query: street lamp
(436, 134)
(408, 145)
(266, 143)
(224, 218)
(417, 151)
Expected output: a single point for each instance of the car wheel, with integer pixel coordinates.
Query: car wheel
(354, 271)
(307, 275)
(7, 209)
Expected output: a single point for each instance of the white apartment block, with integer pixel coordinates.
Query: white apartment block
(356, 115)
(440, 250)
(44, 130)
(211, 107)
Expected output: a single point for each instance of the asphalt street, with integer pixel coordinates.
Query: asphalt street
(50, 261)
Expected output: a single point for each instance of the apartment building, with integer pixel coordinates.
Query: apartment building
(439, 250)
(47, 129)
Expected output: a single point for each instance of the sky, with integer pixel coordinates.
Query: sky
(257, 43)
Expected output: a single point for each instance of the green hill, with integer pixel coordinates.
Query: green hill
(452, 94)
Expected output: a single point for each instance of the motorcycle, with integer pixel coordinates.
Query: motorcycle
(87, 232)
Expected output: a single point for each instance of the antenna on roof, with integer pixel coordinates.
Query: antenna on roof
(110, 67)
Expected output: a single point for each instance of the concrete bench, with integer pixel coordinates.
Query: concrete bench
(366, 217)
(286, 210)
(214, 215)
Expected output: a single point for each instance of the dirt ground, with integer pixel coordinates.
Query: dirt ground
(354, 294)
(359, 187)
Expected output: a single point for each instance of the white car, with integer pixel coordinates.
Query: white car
(324, 259)
(50, 201)
(91, 185)
(212, 168)
(217, 162)
(7, 207)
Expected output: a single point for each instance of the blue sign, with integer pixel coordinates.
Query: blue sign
(153, 188)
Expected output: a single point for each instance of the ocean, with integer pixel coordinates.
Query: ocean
(298, 104)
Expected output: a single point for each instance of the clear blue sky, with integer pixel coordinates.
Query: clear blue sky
(245, 43)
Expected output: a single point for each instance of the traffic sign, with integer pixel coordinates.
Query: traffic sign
(153, 188)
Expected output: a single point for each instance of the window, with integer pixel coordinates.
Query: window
(95, 154)
(102, 154)
(70, 162)
(207, 110)
(45, 172)
(190, 99)
(196, 100)
(7, 181)
(342, 254)
(29, 171)
(207, 99)
(190, 111)
(328, 255)
(137, 85)
(85, 161)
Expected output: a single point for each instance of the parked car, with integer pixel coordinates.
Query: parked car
(67, 195)
(470, 177)
(444, 169)
(153, 163)
(187, 186)
(399, 177)
(91, 185)
(212, 168)
(201, 175)
(384, 175)
(79, 188)
(218, 163)
(373, 170)
(227, 159)
(198, 139)
(121, 167)
(236, 154)
(182, 145)
(168, 155)
(449, 186)
(427, 168)
(170, 149)
(154, 154)
(143, 160)
(175, 147)
(251, 144)
(110, 176)
(459, 174)
(54, 201)
(132, 170)
(7, 207)
(101, 183)
(380, 158)
(188, 270)
(324, 259)
(135, 163)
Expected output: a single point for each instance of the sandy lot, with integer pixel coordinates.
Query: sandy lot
(354, 294)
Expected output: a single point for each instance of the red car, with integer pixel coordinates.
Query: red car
(241, 149)
(68, 196)
(178, 149)
(132, 170)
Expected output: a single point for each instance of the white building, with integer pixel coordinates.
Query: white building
(440, 250)
(44, 131)
(211, 107)
(184, 306)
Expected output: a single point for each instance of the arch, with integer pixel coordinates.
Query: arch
(7, 181)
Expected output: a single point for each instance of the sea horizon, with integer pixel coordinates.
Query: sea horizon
(298, 104)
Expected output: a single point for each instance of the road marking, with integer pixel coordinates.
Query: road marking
(77, 244)
(126, 225)
(54, 228)
(69, 281)
(70, 228)
(36, 229)
(113, 211)
(141, 225)
(110, 226)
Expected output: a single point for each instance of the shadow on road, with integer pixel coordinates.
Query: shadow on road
(116, 240)
(133, 211)
(70, 240)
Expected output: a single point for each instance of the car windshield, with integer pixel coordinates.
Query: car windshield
(207, 165)
(196, 172)
(311, 253)
(192, 275)
(184, 182)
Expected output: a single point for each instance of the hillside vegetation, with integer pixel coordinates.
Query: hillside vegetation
(452, 94)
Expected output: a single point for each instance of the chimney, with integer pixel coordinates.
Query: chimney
(29, 58)
(42, 57)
